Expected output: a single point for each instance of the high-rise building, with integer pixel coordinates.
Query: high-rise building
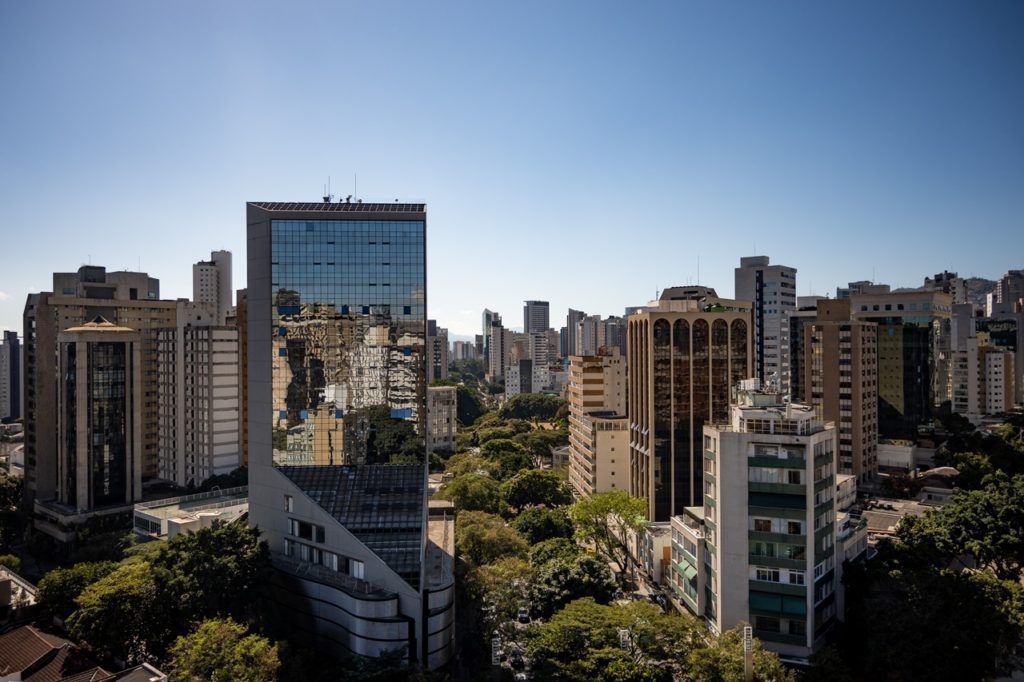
(242, 324)
(686, 351)
(211, 285)
(772, 290)
(98, 427)
(519, 377)
(914, 355)
(806, 311)
(497, 348)
(199, 395)
(536, 317)
(598, 425)
(488, 319)
(572, 321)
(126, 299)
(437, 352)
(442, 418)
(950, 283)
(761, 548)
(337, 327)
(1004, 326)
(590, 335)
(1010, 287)
(840, 366)
(10, 376)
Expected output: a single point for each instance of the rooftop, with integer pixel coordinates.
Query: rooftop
(338, 207)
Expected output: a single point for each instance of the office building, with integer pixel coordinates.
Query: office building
(498, 348)
(10, 376)
(598, 425)
(614, 335)
(485, 338)
(199, 396)
(126, 299)
(572, 321)
(98, 425)
(772, 290)
(1004, 325)
(211, 286)
(840, 366)
(442, 418)
(761, 547)
(437, 352)
(337, 327)
(806, 311)
(590, 332)
(686, 351)
(914, 356)
(1010, 288)
(536, 317)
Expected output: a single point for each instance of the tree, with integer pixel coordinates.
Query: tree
(510, 456)
(531, 407)
(538, 524)
(11, 562)
(536, 487)
(217, 571)
(468, 463)
(483, 538)
(555, 548)
(500, 588)
(59, 588)
(989, 524)
(474, 492)
(541, 441)
(722, 661)
(561, 581)
(604, 518)
(116, 615)
(220, 651)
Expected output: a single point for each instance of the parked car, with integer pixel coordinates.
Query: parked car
(515, 659)
(524, 615)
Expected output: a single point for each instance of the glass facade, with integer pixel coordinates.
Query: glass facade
(348, 314)
(108, 418)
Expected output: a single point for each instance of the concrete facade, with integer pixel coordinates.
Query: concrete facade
(442, 418)
(772, 290)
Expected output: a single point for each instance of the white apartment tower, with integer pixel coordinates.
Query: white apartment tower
(211, 285)
(772, 290)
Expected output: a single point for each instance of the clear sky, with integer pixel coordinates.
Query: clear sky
(585, 153)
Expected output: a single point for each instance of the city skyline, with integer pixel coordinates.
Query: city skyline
(887, 133)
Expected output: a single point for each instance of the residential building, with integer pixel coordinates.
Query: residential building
(861, 288)
(1004, 325)
(99, 427)
(686, 351)
(914, 355)
(519, 377)
(437, 352)
(761, 547)
(242, 324)
(464, 350)
(10, 376)
(442, 417)
(536, 317)
(485, 338)
(598, 425)
(498, 348)
(950, 283)
(590, 335)
(772, 290)
(572, 321)
(337, 327)
(1010, 287)
(211, 286)
(199, 396)
(996, 369)
(127, 299)
(31, 655)
(806, 311)
(840, 367)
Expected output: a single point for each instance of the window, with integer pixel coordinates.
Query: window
(770, 575)
(767, 624)
(795, 476)
(798, 627)
(763, 525)
(355, 568)
(288, 503)
(289, 547)
(796, 577)
(795, 528)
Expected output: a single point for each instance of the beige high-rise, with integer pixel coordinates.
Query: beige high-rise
(598, 427)
(686, 351)
(841, 379)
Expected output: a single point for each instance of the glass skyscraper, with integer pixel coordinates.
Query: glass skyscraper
(337, 340)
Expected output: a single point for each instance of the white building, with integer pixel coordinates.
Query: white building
(772, 290)
(211, 285)
(198, 392)
(762, 548)
(598, 426)
(442, 417)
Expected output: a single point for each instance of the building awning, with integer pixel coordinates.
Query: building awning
(688, 570)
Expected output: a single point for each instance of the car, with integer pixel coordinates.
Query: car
(524, 615)
(619, 594)
(515, 659)
(522, 677)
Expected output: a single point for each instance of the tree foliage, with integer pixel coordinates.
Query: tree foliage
(555, 548)
(482, 538)
(538, 524)
(510, 456)
(500, 588)
(604, 518)
(219, 650)
(468, 463)
(531, 487)
(561, 581)
(531, 407)
(59, 588)
(474, 492)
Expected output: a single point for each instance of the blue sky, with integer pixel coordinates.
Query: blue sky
(585, 153)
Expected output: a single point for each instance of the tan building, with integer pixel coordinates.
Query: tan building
(841, 375)
(996, 374)
(127, 299)
(686, 351)
(241, 322)
(442, 417)
(598, 427)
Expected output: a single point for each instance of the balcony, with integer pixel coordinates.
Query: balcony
(777, 488)
(785, 538)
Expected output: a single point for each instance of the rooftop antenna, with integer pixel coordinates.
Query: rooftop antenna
(355, 186)
(327, 191)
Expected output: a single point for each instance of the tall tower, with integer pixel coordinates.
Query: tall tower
(211, 285)
(10, 376)
(535, 317)
(336, 307)
(772, 290)
(686, 351)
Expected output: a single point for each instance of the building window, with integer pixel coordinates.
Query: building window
(796, 577)
(766, 624)
(795, 476)
(355, 568)
(763, 525)
(795, 528)
(798, 627)
(289, 547)
(770, 575)
(288, 503)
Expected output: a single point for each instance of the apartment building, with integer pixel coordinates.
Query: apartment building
(772, 291)
(598, 425)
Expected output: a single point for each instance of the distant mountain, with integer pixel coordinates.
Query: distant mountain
(978, 288)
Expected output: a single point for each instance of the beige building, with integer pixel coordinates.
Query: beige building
(841, 373)
(127, 299)
(598, 428)
(996, 371)
(442, 417)
(686, 352)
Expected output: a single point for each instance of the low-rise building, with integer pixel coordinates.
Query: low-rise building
(165, 519)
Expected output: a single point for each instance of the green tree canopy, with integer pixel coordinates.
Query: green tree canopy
(604, 518)
(10, 561)
(473, 492)
(468, 463)
(60, 587)
(221, 651)
(561, 581)
(500, 588)
(536, 487)
(555, 548)
(483, 538)
(531, 407)
(510, 456)
(538, 524)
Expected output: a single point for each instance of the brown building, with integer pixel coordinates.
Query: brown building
(598, 429)
(127, 299)
(841, 381)
(686, 351)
